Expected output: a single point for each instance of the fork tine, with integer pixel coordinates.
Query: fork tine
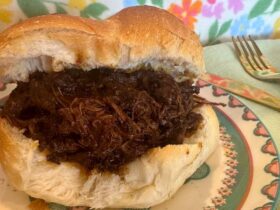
(255, 46)
(236, 47)
(246, 53)
(258, 51)
(252, 53)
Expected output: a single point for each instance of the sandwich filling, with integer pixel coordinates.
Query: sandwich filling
(103, 119)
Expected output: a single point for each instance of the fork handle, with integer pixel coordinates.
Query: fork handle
(266, 75)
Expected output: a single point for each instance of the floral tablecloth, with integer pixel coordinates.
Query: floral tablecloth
(213, 20)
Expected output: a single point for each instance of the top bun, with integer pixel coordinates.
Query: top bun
(133, 38)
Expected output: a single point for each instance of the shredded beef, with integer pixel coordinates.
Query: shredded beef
(103, 119)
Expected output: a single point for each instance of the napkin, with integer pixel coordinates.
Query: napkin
(226, 64)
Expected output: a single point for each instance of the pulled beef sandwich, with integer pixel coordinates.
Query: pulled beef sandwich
(105, 113)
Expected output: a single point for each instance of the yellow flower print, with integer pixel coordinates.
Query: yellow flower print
(5, 2)
(5, 15)
(78, 4)
(276, 31)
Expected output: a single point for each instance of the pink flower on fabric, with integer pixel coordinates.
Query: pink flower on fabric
(213, 10)
(235, 5)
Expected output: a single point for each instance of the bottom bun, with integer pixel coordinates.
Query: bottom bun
(147, 181)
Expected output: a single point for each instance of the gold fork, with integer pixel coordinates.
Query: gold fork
(253, 60)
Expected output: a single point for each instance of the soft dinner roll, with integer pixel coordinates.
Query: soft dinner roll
(129, 40)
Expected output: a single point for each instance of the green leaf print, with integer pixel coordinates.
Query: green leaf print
(259, 8)
(141, 2)
(93, 10)
(158, 3)
(59, 9)
(276, 6)
(32, 7)
(224, 27)
(213, 31)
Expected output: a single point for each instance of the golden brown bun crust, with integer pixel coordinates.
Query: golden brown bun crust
(132, 38)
